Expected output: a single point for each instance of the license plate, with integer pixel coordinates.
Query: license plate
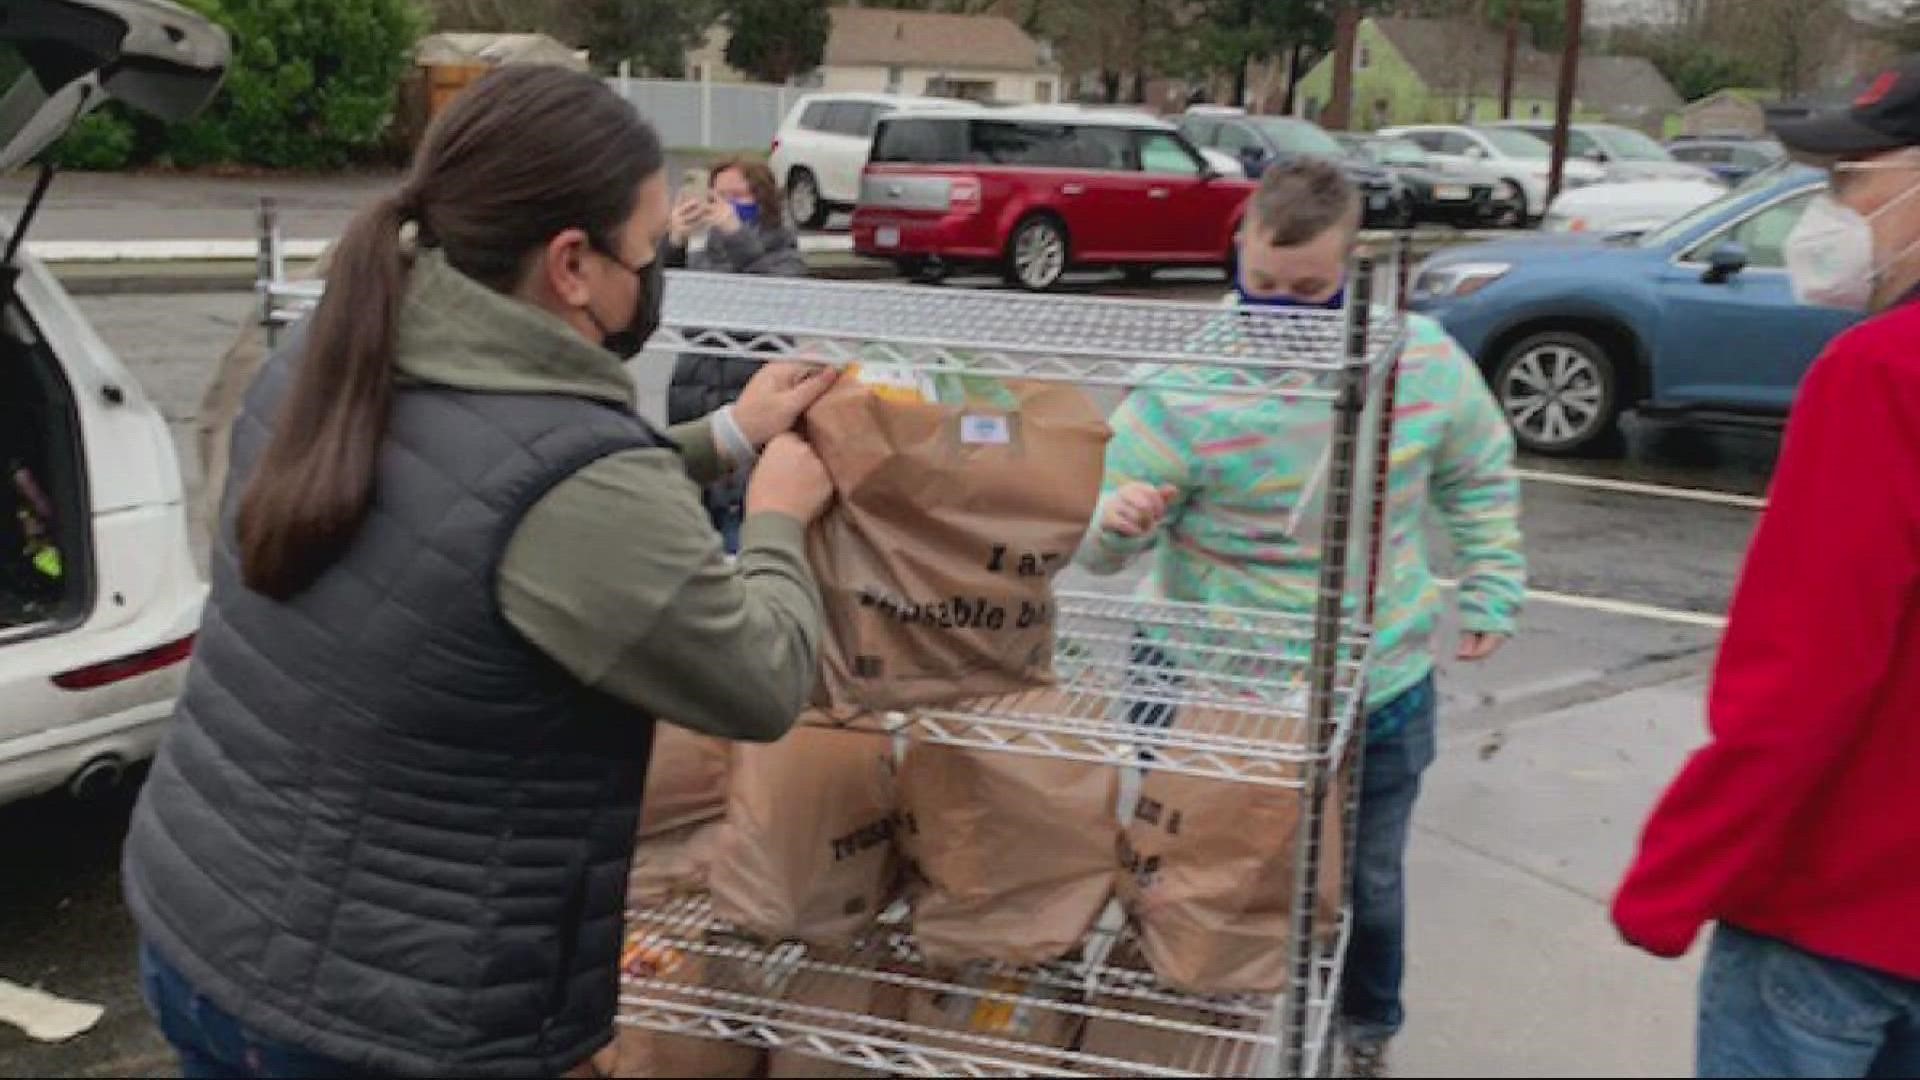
(887, 236)
(1451, 194)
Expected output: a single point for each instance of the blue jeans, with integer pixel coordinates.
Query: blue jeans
(1768, 1008)
(211, 1042)
(1389, 784)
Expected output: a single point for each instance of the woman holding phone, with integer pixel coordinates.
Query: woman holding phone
(738, 207)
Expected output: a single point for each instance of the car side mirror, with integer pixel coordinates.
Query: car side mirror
(1476, 153)
(1598, 157)
(1725, 262)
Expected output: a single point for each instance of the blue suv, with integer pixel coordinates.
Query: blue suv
(1696, 317)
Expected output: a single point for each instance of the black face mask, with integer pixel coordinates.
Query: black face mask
(627, 341)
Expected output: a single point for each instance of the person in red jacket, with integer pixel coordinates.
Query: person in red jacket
(1797, 828)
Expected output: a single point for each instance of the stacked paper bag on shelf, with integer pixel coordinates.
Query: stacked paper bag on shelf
(1017, 1015)
(638, 1052)
(685, 796)
(1011, 854)
(960, 498)
(686, 780)
(806, 851)
(855, 997)
(1208, 875)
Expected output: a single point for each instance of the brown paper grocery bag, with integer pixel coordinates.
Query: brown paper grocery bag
(848, 994)
(806, 851)
(686, 780)
(1209, 874)
(1012, 854)
(670, 864)
(1024, 1017)
(644, 1053)
(937, 560)
(1144, 1044)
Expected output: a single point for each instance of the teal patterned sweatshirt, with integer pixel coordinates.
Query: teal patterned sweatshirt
(1240, 464)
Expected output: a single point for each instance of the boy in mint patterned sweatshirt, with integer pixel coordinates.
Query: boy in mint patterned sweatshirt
(1206, 486)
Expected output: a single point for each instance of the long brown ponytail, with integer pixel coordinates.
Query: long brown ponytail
(524, 154)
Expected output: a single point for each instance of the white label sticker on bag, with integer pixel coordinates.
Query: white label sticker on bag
(985, 431)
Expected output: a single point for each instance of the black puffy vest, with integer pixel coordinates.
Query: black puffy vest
(384, 827)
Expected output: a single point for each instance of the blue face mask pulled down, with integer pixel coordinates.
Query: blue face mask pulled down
(1332, 303)
(747, 210)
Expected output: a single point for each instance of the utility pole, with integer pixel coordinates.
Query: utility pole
(1346, 28)
(1512, 57)
(1563, 113)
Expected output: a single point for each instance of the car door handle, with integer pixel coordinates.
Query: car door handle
(1157, 193)
(1072, 189)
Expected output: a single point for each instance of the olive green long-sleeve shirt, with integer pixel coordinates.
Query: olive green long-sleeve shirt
(617, 573)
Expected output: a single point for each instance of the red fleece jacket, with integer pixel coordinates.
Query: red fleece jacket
(1800, 820)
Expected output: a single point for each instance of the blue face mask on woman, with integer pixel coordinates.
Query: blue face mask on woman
(747, 210)
(1332, 303)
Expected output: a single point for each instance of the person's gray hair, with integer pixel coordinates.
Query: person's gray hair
(1299, 200)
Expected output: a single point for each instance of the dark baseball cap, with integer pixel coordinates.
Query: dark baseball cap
(1886, 116)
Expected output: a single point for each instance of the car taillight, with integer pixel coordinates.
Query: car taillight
(963, 194)
(95, 676)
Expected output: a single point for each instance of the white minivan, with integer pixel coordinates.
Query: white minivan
(99, 596)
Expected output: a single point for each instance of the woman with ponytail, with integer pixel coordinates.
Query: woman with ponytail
(455, 579)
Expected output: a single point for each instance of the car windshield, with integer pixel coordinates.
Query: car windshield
(1629, 145)
(1687, 222)
(1514, 143)
(1300, 137)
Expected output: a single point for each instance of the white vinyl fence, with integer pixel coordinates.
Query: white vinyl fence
(709, 115)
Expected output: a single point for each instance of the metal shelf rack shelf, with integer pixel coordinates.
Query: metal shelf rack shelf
(1281, 694)
(762, 996)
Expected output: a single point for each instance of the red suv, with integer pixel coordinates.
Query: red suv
(1038, 190)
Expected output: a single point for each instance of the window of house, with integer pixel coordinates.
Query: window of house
(1043, 92)
(894, 77)
(1363, 57)
(1537, 112)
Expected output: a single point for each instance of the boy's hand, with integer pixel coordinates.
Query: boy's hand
(1136, 510)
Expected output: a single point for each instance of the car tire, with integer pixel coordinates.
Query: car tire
(1559, 391)
(805, 205)
(1513, 201)
(1038, 253)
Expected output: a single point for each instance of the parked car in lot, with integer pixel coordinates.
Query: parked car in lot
(1431, 195)
(1258, 142)
(1626, 155)
(1517, 162)
(1732, 160)
(1039, 190)
(823, 144)
(99, 598)
(1633, 207)
(1696, 317)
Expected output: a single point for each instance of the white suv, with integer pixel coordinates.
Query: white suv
(822, 146)
(99, 599)
(1513, 160)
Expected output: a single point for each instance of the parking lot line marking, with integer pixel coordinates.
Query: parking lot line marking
(45, 1017)
(1609, 606)
(1633, 487)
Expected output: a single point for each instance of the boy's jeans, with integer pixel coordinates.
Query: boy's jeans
(1389, 784)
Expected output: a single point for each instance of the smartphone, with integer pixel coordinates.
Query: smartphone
(695, 181)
